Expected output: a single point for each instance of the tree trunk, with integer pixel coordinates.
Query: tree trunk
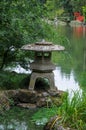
(5, 55)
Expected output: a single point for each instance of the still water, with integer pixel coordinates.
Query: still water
(18, 119)
(70, 75)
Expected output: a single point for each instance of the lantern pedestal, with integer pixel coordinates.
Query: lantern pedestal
(35, 75)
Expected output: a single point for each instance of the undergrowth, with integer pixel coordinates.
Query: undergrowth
(72, 112)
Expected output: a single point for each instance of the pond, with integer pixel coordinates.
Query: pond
(70, 75)
(18, 119)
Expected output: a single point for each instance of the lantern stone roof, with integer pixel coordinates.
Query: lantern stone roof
(43, 47)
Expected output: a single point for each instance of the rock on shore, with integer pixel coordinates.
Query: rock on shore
(29, 99)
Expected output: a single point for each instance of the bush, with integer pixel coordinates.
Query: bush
(12, 80)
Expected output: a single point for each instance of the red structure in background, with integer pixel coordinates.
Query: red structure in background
(79, 31)
(78, 16)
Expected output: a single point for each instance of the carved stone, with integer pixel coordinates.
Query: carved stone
(42, 67)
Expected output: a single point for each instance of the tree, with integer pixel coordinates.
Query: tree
(68, 8)
(84, 13)
(20, 23)
(78, 4)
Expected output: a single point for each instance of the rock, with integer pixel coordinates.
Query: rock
(41, 102)
(11, 93)
(56, 101)
(55, 123)
(4, 102)
(27, 96)
(27, 105)
(39, 95)
(42, 121)
(60, 128)
(29, 99)
(39, 98)
(54, 93)
(45, 94)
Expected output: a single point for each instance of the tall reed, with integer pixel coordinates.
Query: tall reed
(73, 111)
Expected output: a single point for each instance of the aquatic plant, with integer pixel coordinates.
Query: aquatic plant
(73, 111)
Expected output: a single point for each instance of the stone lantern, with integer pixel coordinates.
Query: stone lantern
(42, 66)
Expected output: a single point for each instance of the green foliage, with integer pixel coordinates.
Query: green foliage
(54, 9)
(78, 4)
(68, 8)
(82, 80)
(44, 113)
(73, 111)
(20, 23)
(11, 80)
(84, 12)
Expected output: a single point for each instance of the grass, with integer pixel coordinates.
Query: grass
(73, 111)
(44, 113)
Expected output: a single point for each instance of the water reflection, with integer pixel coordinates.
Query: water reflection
(79, 31)
(18, 125)
(66, 82)
(14, 125)
(19, 119)
(77, 63)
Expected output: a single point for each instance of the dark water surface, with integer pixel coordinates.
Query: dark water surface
(18, 119)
